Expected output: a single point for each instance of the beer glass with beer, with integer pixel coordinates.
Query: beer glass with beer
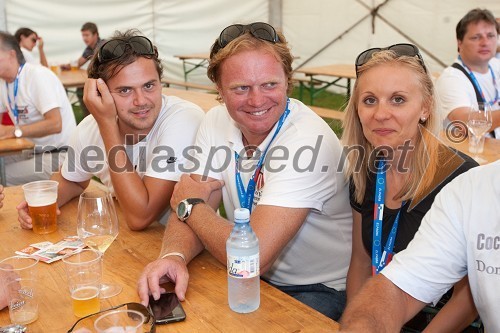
(98, 228)
(84, 272)
(41, 197)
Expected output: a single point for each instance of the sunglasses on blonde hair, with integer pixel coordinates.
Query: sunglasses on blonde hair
(402, 49)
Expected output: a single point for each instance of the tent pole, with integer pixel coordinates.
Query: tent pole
(333, 41)
(276, 14)
(375, 13)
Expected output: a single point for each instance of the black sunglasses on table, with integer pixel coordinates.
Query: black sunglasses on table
(259, 30)
(115, 48)
(149, 325)
(401, 49)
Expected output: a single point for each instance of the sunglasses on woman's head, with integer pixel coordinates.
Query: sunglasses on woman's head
(115, 48)
(401, 49)
(259, 30)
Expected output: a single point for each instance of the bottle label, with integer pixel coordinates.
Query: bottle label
(243, 267)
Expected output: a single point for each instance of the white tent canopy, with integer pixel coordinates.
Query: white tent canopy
(191, 26)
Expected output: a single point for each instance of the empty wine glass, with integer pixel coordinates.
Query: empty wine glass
(98, 228)
(479, 122)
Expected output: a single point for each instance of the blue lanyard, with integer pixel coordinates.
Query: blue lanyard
(476, 83)
(246, 196)
(16, 86)
(381, 259)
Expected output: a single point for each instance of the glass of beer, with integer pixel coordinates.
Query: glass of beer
(84, 274)
(41, 197)
(18, 276)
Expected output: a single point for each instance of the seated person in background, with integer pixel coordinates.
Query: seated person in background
(40, 110)
(27, 40)
(477, 34)
(392, 115)
(134, 141)
(301, 217)
(458, 237)
(90, 36)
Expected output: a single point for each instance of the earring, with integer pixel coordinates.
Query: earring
(422, 120)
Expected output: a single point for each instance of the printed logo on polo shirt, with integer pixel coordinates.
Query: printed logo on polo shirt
(171, 159)
(23, 112)
(259, 184)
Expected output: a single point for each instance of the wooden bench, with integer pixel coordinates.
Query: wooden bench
(328, 113)
(168, 82)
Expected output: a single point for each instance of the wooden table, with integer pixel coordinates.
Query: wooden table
(74, 78)
(206, 299)
(193, 61)
(11, 147)
(316, 85)
(203, 100)
(490, 154)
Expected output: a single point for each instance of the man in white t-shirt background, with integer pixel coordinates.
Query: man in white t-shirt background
(135, 137)
(477, 35)
(39, 108)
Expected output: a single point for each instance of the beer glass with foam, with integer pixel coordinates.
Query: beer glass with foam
(84, 274)
(41, 197)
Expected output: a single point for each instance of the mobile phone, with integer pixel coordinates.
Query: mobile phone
(167, 309)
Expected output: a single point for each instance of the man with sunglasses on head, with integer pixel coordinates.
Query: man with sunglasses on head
(135, 138)
(475, 75)
(251, 155)
(37, 104)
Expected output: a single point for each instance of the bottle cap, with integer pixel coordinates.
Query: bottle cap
(241, 215)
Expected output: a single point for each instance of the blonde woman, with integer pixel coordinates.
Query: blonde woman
(396, 167)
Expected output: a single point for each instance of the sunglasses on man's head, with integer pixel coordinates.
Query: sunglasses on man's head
(259, 30)
(401, 49)
(115, 48)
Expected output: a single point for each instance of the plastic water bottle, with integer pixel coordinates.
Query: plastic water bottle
(243, 270)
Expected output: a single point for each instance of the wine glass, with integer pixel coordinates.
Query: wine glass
(479, 122)
(98, 228)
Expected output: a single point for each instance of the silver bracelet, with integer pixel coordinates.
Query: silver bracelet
(178, 254)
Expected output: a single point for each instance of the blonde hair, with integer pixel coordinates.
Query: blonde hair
(246, 42)
(425, 155)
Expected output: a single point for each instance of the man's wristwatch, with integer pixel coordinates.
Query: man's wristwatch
(18, 132)
(185, 206)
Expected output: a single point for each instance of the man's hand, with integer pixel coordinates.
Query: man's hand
(171, 269)
(99, 101)
(24, 217)
(190, 188)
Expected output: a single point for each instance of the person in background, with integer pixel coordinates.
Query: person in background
(458, 237)
(90, 36)
(27, 40)
(392, 115)
(39, 108)
(498, 42)
(135, 138)
(301, 217)
(475, 69)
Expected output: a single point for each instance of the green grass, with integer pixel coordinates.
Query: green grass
(326, 100)
(79, 115)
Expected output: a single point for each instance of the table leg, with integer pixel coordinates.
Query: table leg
(3, 180)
